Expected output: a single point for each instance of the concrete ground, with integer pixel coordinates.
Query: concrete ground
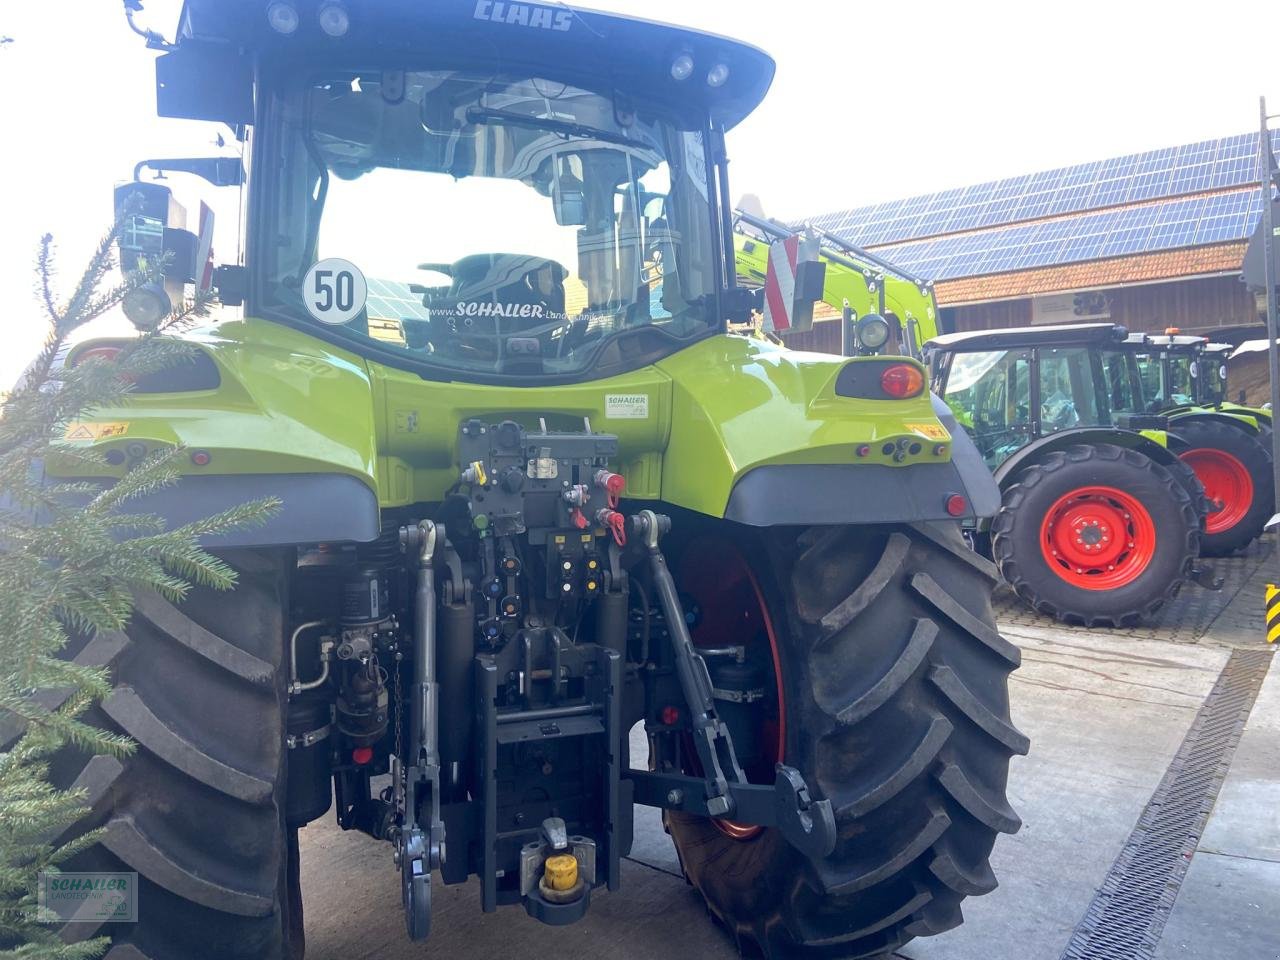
(1105, 713)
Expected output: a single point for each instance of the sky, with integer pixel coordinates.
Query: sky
(871, 102)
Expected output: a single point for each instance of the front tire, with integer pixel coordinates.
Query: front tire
(1096, 535)
(895, 702)
(199, 809)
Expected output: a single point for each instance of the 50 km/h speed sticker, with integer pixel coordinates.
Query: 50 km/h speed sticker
(334, 291)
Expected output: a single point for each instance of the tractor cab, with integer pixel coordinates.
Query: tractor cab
(1171, 369)
(496, 192)
(1011, 387)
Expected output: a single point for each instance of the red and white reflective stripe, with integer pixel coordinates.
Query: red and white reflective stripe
(780, 283)
(204, 251)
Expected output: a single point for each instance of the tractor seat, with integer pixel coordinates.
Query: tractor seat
(492, 295)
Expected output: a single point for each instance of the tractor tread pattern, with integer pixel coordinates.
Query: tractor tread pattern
(198, 810)
(101, 651)
(126, 708)
(890, 562)
(968, 703)
(915, 848)
(996, 814)
(926, 752)
(168, 619)
(971, 882)
(130, 844)
(955, 611)
(914, 757)
(922, 637)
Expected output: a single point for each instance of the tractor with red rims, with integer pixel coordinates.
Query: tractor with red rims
(1100, 523)
(1227, 445)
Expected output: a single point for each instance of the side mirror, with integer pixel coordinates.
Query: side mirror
(793, 283)
(738, 303)
(206, 81)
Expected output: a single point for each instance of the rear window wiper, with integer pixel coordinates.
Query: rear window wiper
(566, 128)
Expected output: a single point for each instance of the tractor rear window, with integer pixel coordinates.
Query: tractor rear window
(502, 225)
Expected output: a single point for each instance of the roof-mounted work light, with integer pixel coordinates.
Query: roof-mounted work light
(283, 17)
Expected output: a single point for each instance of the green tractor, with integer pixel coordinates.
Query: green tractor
(1227, 445)
(1181, 371)
(1101, 522)
(543, 498)
(883, 307)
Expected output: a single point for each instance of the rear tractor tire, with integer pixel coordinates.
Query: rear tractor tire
(894, 705)
(1096, 535)
(1234, 467)
(199, 809)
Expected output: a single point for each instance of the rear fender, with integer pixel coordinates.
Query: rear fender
(264, 412)
(765, 436)
(1008, 471)
(1244, 422)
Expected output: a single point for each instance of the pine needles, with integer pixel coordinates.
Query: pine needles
(71, 560)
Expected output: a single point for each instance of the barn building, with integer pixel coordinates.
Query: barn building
(1150, 240)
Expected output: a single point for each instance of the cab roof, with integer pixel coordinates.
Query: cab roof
(583, 46)
(1175, 341)
(1005, 338)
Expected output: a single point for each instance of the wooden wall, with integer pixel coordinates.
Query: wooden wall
(1196, 304)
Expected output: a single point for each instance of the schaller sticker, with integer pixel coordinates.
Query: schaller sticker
(626, 406)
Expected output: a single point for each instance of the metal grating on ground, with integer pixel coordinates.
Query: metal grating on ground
(1186, 619)
(1128, 914)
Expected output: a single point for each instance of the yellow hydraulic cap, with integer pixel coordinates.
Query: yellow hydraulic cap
(561, 871)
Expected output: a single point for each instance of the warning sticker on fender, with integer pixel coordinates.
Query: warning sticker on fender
(626, 406)
(94, 431)
(930, 431)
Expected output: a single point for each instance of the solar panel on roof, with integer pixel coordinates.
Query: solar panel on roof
(1091, 235)
(1151, 175)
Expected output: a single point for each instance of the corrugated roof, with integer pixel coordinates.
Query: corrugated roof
(1170, 264)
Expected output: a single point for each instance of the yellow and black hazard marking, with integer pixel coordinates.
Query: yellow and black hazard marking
(1273, 613)
(94, 431)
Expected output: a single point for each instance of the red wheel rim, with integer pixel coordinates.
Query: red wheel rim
(1098, 538)
(716, 575)
(1225, 480)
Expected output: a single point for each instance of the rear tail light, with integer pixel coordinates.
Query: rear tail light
(956, 505)
(902, 380)
(107, 352)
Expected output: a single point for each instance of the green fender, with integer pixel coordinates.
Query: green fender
(1240, 420)
(1153, 443)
